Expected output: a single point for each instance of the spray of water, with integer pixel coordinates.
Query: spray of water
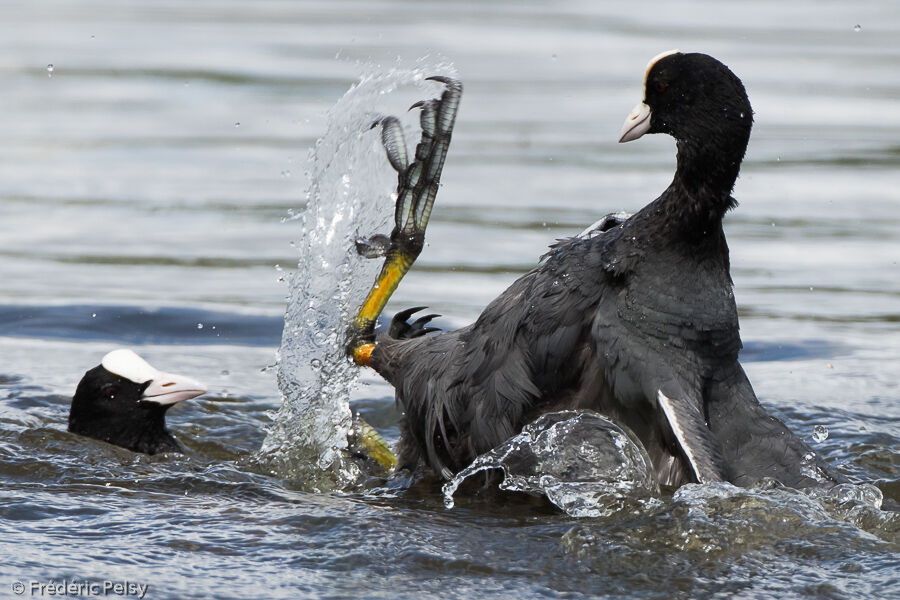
(349, 197)
(585, 464)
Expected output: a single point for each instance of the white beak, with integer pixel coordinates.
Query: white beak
(168, 388)
(637, 123)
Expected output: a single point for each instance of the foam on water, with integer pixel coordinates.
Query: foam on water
(350, 185)
(584, 464)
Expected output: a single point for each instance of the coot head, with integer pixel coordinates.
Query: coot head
(124, 400)
(703, 105)
(692, 97)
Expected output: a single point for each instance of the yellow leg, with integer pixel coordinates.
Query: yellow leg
(368, 442)
(395, 267)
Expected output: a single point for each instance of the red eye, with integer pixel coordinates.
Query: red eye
(661, 87)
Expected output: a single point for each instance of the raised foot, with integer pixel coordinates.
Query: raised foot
(417, 182)
(417, 185)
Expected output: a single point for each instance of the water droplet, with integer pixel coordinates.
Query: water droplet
(50, 70)
(278, 268)
(224, 372)
(857, 28)
(820, 433)
(315, 364)
(199, 325)
(286, 173)
(237, 124)
(93, 315)
(811, 288)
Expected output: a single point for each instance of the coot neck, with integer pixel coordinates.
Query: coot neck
(700, 193)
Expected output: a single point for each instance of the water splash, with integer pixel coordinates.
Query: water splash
(583, 463)
(349, 198)
(820, 433)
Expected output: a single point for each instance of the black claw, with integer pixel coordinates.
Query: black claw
(424, 320)
(407, 313)
(402, 329)
(441, 79)
(417, 105)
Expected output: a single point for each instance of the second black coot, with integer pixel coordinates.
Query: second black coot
(124, 401)
(635, 318)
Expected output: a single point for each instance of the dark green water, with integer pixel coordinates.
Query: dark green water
(143, 187)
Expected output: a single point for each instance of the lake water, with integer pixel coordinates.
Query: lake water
(146, 185)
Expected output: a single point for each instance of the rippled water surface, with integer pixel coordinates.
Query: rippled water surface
(147, 182)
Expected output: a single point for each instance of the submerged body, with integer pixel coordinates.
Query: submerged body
(635, 319)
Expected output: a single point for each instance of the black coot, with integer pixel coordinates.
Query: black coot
(124, 401)
(635, 318)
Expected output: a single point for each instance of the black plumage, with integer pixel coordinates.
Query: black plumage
(635, 319)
